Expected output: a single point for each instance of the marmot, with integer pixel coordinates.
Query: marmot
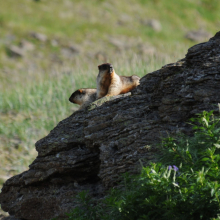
(110, 84)
(83, 97)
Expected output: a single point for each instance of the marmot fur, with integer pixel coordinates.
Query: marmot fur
(83, 97)
(110, 84)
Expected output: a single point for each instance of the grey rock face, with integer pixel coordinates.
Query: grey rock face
(91, 149)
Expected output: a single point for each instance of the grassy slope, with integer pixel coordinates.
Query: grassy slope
(92, 23)
(33, 100)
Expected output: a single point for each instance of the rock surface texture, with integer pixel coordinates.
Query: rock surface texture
(92, 148)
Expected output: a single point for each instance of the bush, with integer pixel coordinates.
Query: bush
(184, 185)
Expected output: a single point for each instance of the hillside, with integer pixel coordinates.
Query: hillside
(102, 29)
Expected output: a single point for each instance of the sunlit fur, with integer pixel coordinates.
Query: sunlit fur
(110, 84)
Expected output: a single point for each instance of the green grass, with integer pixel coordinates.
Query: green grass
(91, 24)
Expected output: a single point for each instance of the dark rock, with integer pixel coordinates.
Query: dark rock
(2, 217)
(198, 35)
(90, 149)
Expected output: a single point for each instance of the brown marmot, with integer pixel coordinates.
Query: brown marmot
(83, 97)
(110, 84)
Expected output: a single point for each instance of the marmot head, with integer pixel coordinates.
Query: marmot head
(106, 67)
(77, 97)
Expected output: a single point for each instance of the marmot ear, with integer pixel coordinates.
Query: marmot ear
(80, 90)
(111, 69)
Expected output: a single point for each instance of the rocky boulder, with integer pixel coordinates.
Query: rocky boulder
(92, 148)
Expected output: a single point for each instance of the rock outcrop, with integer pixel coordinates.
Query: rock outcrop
(91, 149)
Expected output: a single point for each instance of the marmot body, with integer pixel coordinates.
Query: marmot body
(83, 97)
(110, 84)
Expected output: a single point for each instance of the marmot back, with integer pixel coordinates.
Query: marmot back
(129, 83)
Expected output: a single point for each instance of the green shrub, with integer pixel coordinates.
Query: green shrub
(184, 185)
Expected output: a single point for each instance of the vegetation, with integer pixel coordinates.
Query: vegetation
(184, 185)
